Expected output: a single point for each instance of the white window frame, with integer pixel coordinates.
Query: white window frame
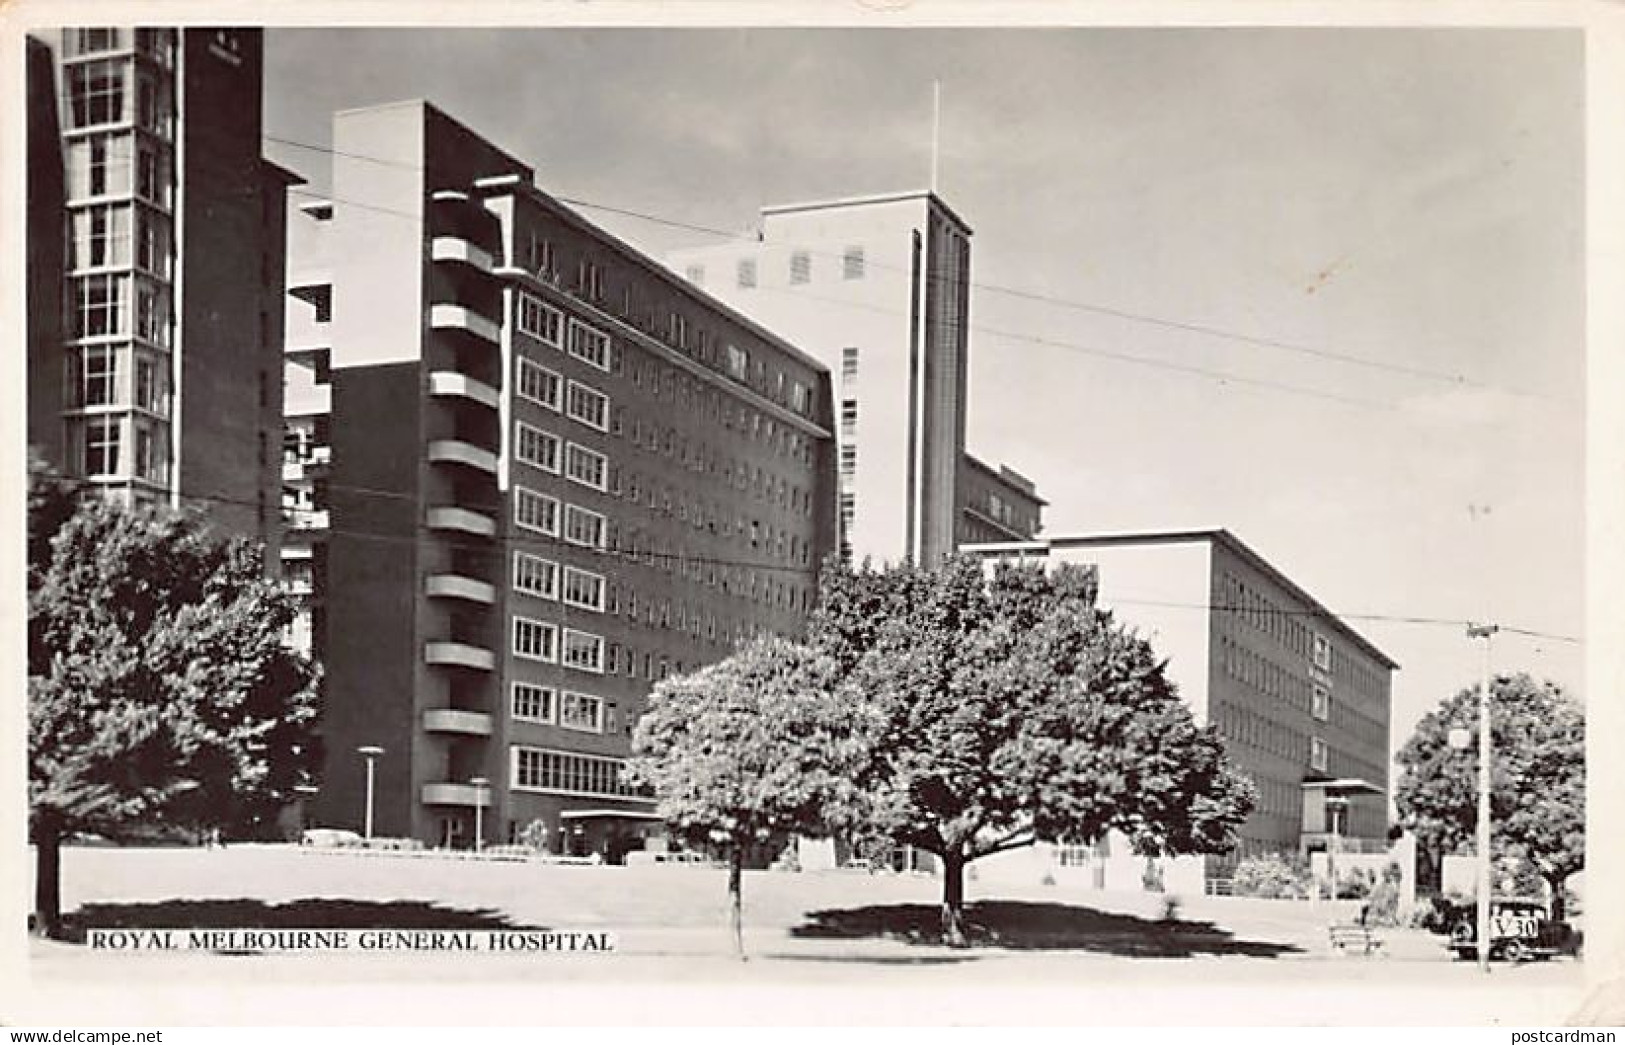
(596, 472)
(526, 567)
(527, 308)
(525, 625)
(523, 495)
(529, 368)
(1320, 701)
(529, 438)
(568, 698)
(1318, 754)
(598, 355)
(573, 512)
(546, 697)
(529, 761)
(594, 580)
(1321, 652)
(586, 642)
(577, 395)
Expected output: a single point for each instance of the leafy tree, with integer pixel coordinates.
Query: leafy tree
(1014, 711)
(160, 689)
(748, 748)
(1537, 778)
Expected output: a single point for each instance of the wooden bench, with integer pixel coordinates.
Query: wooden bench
(1353, 937)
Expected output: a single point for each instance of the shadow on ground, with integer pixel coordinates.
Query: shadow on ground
(1040, 927)
(313, 913)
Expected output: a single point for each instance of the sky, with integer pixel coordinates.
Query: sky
(1323, 288)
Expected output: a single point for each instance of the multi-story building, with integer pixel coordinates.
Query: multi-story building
(878, 289)
(1300, 698)
(558, 474)
(155, 270)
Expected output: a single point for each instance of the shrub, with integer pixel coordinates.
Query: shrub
(1270, 877)
(1383, 907)
(534, 835)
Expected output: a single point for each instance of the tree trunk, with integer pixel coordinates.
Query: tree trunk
(736, 915)
(953, 899)
(1559, 907)
(48, 880)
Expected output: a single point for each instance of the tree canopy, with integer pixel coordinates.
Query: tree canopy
(1013, 710)
(1537, 777)
(161, 689)
(748, 749)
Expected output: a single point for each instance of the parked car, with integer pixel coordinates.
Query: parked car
(1521, 929)
(329, 837)
(647, 858)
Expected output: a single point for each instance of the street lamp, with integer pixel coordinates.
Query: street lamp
(1335, 804)
(480, 784)
(369, 752)
(1483, 631)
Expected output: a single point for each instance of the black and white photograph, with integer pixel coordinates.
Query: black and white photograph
(768, 514)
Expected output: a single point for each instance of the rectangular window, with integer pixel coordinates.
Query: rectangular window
(540, 769)
(100, 375)
(98, 166)
(587, 405)
(1317, 754)
(589, 345)
(583, 651)
(800, 267)
(152, 244)
(581, 711)
(539, 258)
(1321, 702)
(151, 177)
(583, 589)
(100, 306)
(535, 640)
(738, 362)
(677, 330)
(151, 314)
(99, 93)
(535, 511)
(540, 320)
(533, 703)
(101, 237)
(1323, 652)
(536, 447)
(102, 446)
(588, 467)
(148, 391)
(540, 385)
(534, 575)
(746, 273)
(852, 263)
(583, 527)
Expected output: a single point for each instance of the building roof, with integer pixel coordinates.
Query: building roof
(1217, 535)
(1007, 477)
(847, 202)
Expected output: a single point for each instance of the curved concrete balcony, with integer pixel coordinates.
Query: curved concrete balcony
(451, 383)
(455, 586)
(461, 317)
(456, 795)
(457, 249)
(463, 521)
(454, 720)
(455, 451)
(459, 655)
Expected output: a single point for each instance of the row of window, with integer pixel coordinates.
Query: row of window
(102, 450)
(549, 389)
(548, 324)
(548, 705)
(100, 93)
(541, 578)
(540, 641)
(747, 270)
(114, 236)
(541, 769)
(540, 513)
(1256, 610)
(696, 399)
(542, 449)
(97, 376)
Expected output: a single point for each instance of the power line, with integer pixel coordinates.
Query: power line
(1222, 376)
(483, 547)
(1126, 315)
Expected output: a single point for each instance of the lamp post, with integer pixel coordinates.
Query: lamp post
(480, 784)
(1483, 631)
(306, 793)
(370, 752)
(1335, 804)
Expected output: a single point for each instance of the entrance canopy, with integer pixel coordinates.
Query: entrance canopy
(1343, 787)
(607, 814)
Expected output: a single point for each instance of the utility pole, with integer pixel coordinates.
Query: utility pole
(1484, 631)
